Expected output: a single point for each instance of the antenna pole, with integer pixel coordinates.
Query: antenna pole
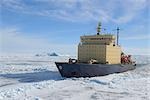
(118, 29)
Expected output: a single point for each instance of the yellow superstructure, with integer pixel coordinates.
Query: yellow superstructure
(100, 47)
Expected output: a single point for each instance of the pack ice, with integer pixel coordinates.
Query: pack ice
(37, 78)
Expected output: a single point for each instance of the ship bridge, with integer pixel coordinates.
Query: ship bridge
(100, 47)
(105, 39)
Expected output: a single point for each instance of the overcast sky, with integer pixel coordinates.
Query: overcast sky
(33, 26)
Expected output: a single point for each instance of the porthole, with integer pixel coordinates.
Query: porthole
(60, 67)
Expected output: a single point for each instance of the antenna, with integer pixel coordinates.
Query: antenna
(118, 29)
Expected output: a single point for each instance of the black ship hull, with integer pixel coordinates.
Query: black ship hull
(90, 70)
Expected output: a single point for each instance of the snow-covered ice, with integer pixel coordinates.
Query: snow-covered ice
(37, 78)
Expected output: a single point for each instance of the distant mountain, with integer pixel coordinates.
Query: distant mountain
(47, 54)
(52, 54)
(38, 55)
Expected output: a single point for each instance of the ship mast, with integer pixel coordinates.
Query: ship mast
(99, 28)
(118, 29)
